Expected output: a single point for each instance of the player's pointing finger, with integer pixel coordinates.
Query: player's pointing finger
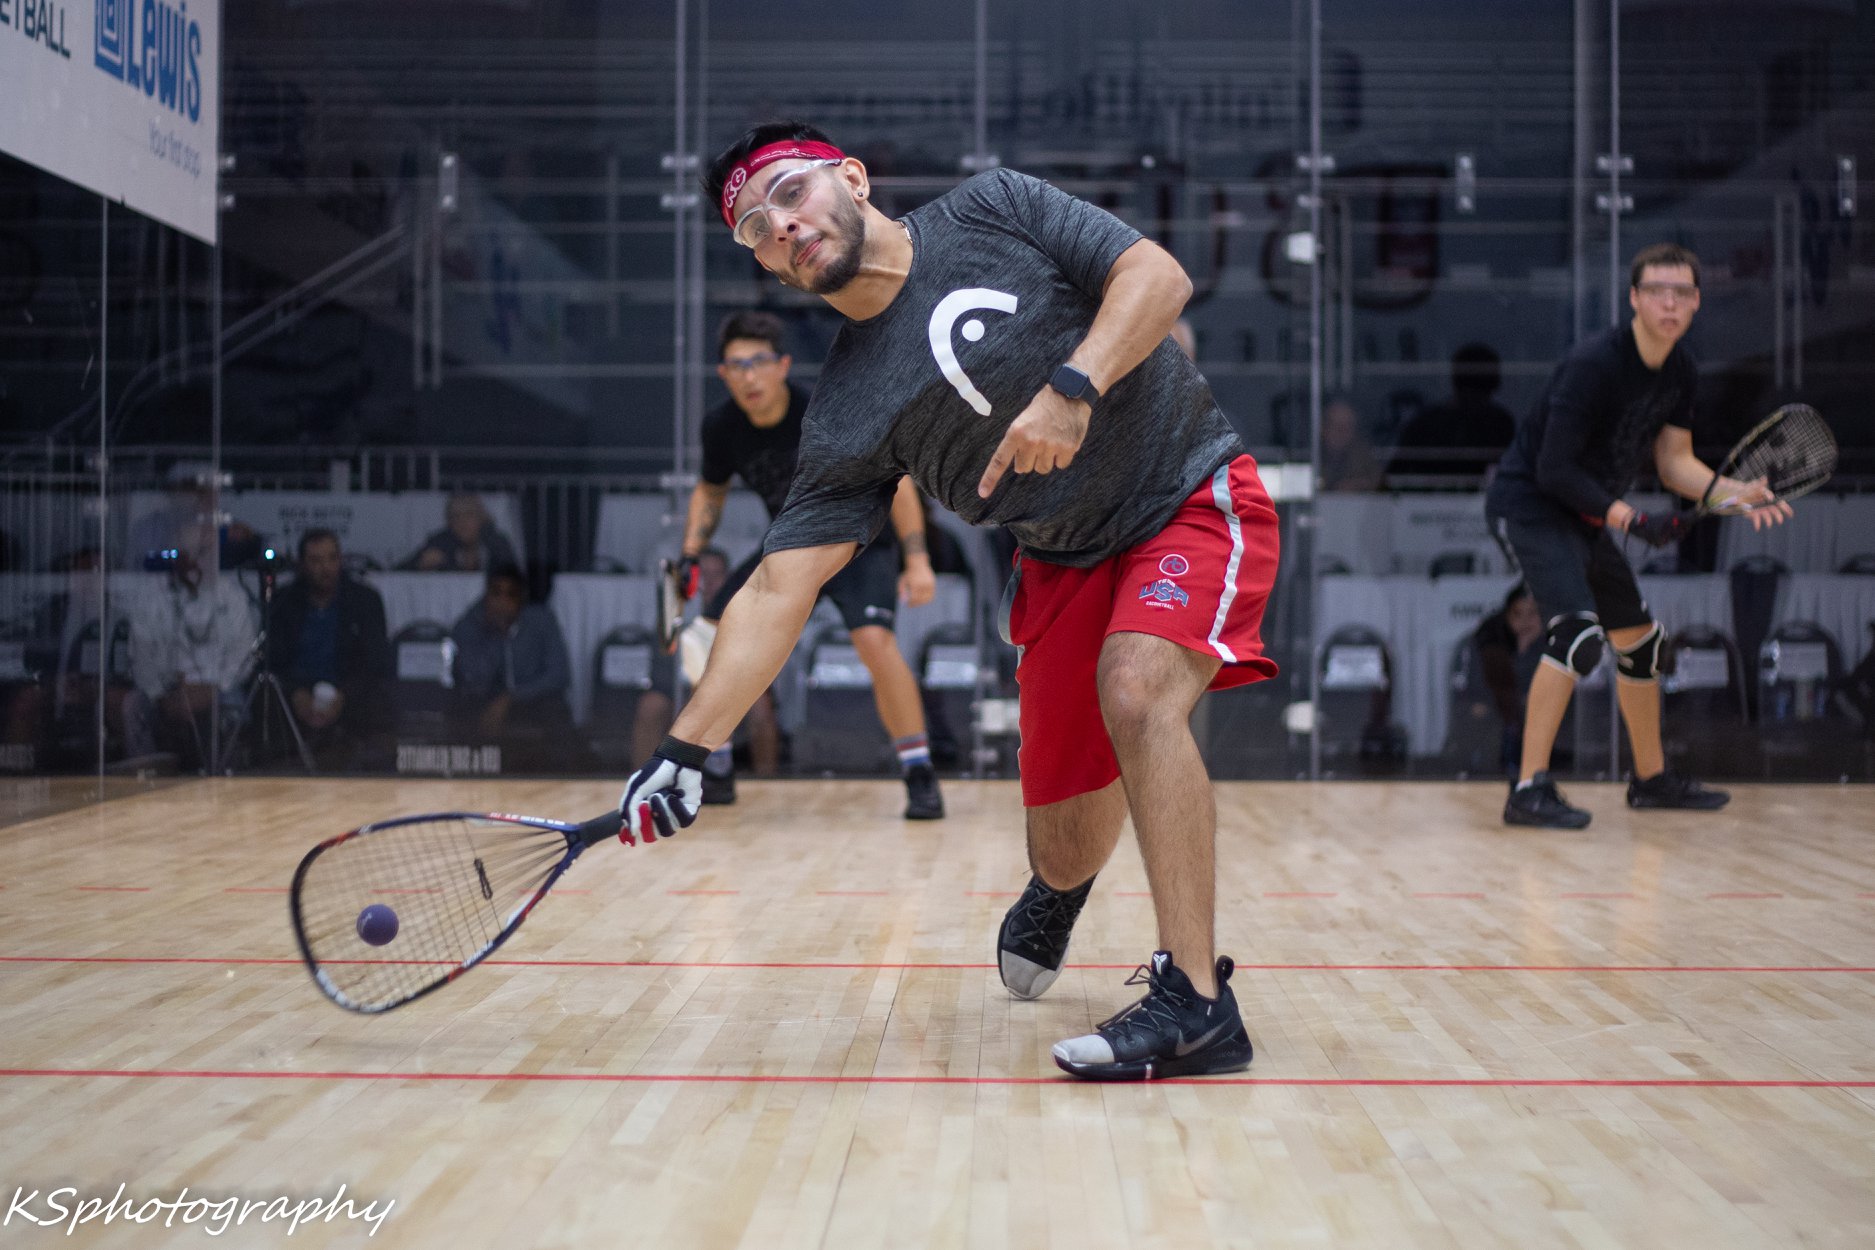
(999, 464)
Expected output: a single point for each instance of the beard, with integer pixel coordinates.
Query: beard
(849, 231)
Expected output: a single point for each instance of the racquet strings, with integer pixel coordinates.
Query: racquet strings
(1794, 452)
(453, 882)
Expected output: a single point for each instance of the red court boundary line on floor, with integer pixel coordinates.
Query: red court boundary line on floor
(116, 889)
(1744, 895)
(940, 966)
(255, 889)
(717, 1078)
(1449, 894)
(854, 893)
(1299, 894)
(703, 891)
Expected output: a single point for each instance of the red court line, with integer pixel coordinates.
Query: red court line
(838, 965)
(719, 1078)
(992, 893)
(1858, 896)
(1297, 894)
(425, 890)
(255, 889)
(854, 893)
(116, 889)
(1437, 894)
(1622, 894)
(1744, 896)
(559, 892)
(703, 891)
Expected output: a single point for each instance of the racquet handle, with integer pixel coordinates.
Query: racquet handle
(600, 828)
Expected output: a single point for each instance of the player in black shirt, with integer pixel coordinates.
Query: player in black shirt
(756, 435)
(1621, 396)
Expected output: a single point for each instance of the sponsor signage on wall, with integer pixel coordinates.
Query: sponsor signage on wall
(120, 97)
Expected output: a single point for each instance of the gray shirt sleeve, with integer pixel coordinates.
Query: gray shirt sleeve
(1082, 240)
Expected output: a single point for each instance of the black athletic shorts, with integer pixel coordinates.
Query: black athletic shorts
(1569, 565)
(865, 591)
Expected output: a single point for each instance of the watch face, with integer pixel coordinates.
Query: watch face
(1071, 382)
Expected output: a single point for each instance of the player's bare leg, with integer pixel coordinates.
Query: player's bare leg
(1640, 708)
(1654, 785)
(1069, 842)
(894, 689)
(1148, 687)
(901, 708)
(1072, 840)
(1550, 692)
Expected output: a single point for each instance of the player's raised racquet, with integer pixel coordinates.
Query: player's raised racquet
(1791, 451)
(387, 913)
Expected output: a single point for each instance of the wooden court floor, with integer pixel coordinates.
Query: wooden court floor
(784, 1029)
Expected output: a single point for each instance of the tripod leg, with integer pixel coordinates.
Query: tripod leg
(292, 723)
(224, 747)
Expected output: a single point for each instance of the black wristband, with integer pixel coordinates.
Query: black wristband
(689, 754)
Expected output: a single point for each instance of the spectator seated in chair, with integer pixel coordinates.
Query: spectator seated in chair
(467, 543)
(328, 645)
(512, 674)
(191, 643)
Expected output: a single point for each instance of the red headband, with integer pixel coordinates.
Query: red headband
(803, 149)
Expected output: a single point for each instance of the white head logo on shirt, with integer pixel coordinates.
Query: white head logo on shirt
(944, 316)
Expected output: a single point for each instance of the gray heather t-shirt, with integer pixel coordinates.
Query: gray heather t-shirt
(1005, 280)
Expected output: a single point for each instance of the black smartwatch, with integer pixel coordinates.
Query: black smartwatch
(1075, 384)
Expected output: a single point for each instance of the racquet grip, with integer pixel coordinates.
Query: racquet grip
(600, 828)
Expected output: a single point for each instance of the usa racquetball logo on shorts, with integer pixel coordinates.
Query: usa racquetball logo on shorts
(1163, 593)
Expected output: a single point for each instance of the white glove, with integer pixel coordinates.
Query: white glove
(664, 794)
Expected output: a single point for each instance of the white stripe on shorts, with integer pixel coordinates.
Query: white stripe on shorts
(1220, 495)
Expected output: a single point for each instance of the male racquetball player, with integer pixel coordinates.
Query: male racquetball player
(1619, 397)
(1006, 347)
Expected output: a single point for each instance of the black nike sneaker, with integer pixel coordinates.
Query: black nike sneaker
(1667, 788)
(922, 800)
(1034, 937)
(1542, 805)
(1172, 1031)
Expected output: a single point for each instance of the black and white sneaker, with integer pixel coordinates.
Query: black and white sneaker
(1541, 805)
(1670, 789)
(922, 800)
(1033, 941)
(1172, 1031)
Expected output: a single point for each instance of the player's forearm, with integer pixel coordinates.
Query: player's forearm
(1145, 293)
(758, 630)
(1686, 476)
(908, 522)
(706, 513)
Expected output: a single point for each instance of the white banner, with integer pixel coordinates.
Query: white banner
(120, 96)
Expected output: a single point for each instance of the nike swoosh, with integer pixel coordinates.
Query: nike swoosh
(1184, 1048)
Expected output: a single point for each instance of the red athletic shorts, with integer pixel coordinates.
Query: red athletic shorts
(1201, 582)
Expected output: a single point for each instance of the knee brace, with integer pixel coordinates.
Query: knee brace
(1574, 643)
(1641, 662)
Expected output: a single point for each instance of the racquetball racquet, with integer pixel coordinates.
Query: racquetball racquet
(393, 910)
(1791, 451)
